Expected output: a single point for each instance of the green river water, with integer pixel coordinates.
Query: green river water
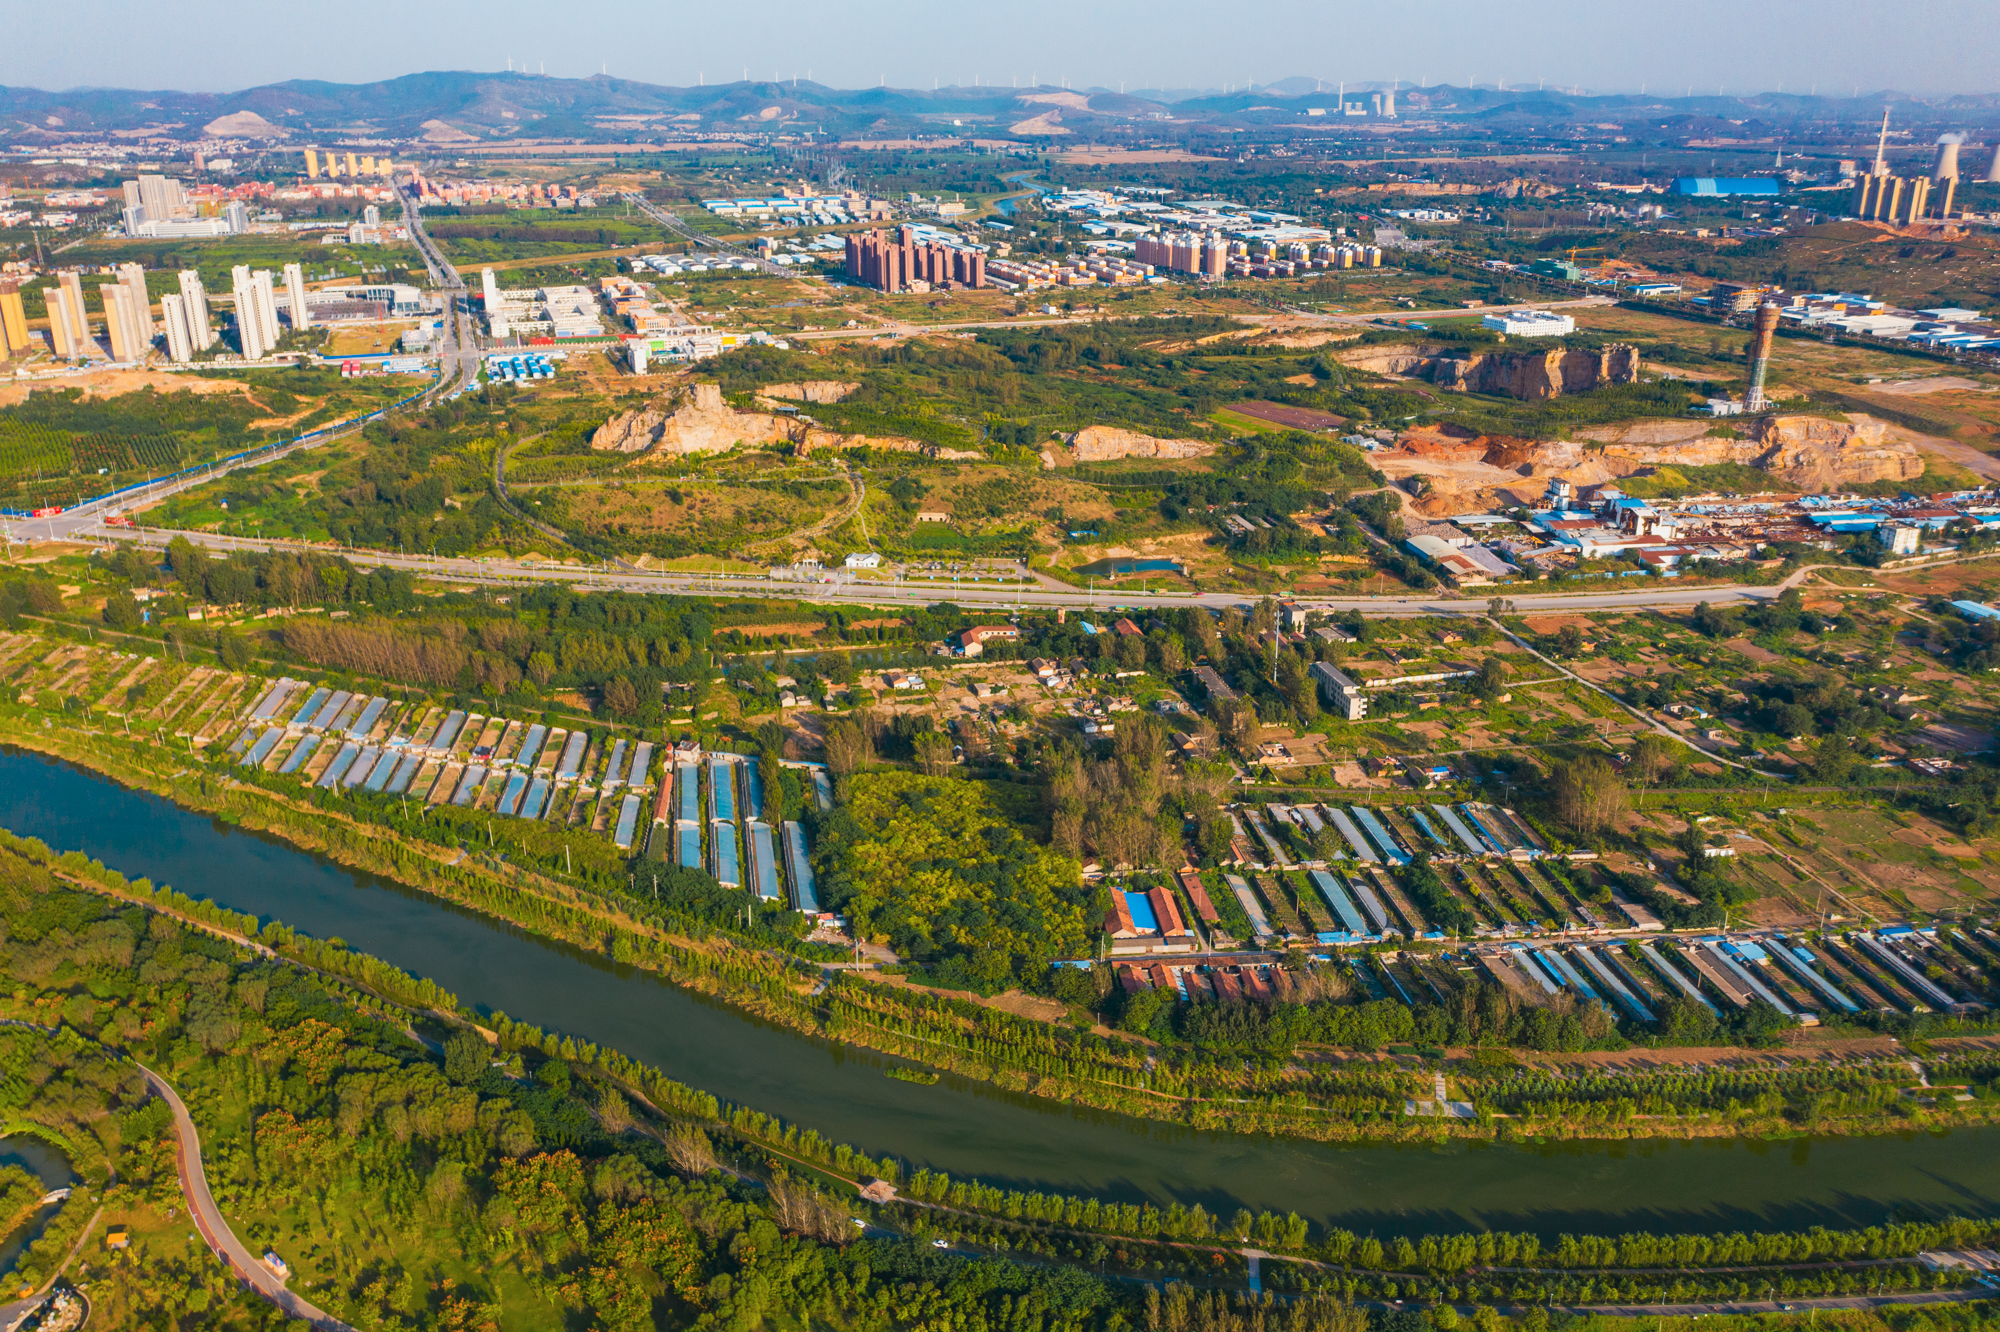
(970, 1129)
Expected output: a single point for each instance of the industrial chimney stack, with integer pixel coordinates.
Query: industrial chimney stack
(1993, 171)
(1760, 356)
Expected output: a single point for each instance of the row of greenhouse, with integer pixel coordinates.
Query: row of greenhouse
(1896, 969)
(710, 811)
(712, 815)
(1393, 835)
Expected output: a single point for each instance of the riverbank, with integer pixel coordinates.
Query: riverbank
(434, 955)
(1132, 1247)
(1339, 1101)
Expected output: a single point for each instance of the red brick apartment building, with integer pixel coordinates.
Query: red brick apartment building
(899, 262)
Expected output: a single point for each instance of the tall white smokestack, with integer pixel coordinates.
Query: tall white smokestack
(1947, 157)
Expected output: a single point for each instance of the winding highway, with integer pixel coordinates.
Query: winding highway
(208, 1220)
(215, 1231)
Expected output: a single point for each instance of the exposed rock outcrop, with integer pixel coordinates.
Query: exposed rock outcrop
(1533, 376)
(1106, 443)
(1817, 454)
(811, 439)
(1391, 358)
(1810, 452)
(811, 390)
(1465, 472)
(699, 423)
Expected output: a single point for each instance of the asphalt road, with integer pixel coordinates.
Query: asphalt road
(916, 592)
(214, 1230)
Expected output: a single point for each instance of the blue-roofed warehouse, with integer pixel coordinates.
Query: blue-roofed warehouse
(1719, 185)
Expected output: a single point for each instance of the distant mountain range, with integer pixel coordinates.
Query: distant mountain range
(455, 107)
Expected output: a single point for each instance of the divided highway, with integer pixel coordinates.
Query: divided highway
(996, 595)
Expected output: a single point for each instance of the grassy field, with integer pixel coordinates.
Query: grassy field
(476, 235)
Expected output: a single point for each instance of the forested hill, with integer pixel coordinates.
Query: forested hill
(502, 104)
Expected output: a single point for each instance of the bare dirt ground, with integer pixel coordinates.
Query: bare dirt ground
(1797, 1042)
(1964, 455)
(1648, 432)
(1012, 1001)
(1935, 384)
(111, 383)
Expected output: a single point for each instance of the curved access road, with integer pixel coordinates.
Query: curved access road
(214, 1230)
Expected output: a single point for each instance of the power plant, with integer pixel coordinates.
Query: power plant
(1947, 158)
(1883, 198)
(1993, 169)
(1760, 356)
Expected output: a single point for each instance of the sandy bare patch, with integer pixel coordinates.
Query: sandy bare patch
(1935, 384)
(1073, 100)
(1049, 122)
(111, 383)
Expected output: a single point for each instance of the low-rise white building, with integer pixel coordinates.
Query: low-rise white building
(1529, 323)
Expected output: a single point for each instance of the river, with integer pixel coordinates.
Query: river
(44, 1163)
(968, 1128)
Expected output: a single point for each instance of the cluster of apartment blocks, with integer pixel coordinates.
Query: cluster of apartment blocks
(157, 207)
(899, 261)
(366, 164)
(185, 321)
(1091, 270)
(128, 316)
(13, 320)
(480, 192)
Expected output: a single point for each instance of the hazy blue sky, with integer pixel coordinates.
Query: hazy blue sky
(1923, 46)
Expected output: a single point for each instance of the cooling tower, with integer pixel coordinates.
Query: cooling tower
(1993, 171)
(1947, 157)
